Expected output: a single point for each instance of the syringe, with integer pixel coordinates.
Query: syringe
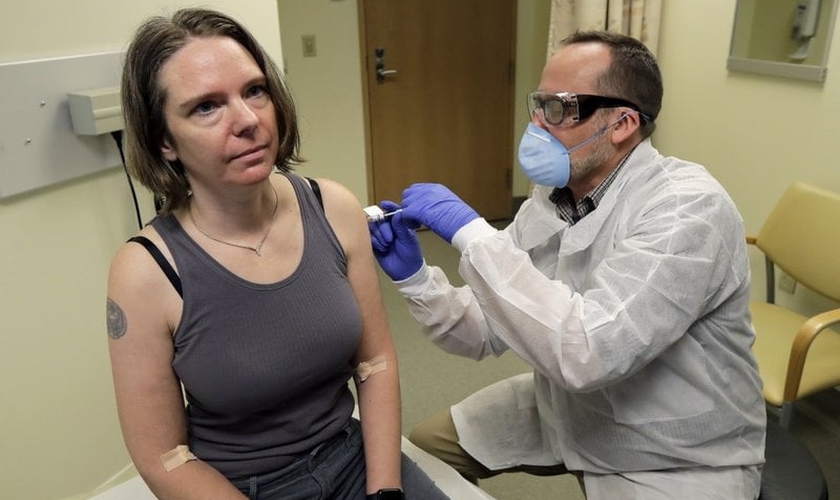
(375, 213)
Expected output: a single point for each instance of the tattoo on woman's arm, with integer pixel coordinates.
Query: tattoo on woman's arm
(117, 322)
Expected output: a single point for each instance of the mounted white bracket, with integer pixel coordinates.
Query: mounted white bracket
(96, 111)
(38, 144)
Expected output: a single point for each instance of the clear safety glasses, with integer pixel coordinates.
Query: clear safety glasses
(564, 108)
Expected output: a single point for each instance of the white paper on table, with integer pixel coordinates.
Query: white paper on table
(133, 489)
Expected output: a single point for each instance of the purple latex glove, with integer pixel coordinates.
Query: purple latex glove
(395, 244)
(437, 208)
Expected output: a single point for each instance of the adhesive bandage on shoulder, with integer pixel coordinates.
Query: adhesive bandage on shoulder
(175, 458)
(370, 367)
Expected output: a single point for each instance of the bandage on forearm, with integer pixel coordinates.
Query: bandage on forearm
(175, 458)
(368, 368)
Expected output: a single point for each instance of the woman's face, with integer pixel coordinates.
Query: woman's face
(221, 120)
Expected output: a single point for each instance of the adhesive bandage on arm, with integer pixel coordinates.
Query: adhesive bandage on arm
(175, 458)
(368, 368)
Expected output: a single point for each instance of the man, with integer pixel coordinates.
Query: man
(623, 281)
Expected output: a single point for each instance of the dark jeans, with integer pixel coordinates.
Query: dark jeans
(334, 470)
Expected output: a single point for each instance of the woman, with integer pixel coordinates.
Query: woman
(263, 298)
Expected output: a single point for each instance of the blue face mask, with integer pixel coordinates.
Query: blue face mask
(544, 159)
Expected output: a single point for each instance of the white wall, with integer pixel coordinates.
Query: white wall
(58, 425)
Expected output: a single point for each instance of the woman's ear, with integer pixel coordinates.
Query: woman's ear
(168, 152)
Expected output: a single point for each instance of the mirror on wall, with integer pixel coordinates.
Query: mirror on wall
(787, 38)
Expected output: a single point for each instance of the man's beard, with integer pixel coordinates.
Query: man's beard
(601, 152)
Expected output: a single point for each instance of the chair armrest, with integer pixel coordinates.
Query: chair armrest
(799, 350)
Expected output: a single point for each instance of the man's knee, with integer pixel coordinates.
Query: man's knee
(437, 436)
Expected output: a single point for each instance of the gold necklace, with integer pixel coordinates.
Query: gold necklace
(255, 249)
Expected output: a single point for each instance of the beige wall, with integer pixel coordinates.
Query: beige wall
(751, 131)
(756, 134)
(327, 87)
(531, 46)
(58, 426)
(764, 29)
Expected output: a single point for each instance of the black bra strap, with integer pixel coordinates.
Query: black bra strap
(317, 190)
(162, 262)
(167, 268)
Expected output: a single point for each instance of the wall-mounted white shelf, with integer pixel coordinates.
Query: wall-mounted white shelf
(38, 147)
(787, 70)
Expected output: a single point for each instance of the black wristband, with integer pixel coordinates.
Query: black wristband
(387, 494)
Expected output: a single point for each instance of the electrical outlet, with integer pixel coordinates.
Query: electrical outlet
(308, 42)
(786, 283)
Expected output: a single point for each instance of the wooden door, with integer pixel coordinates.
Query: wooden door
(443, 111)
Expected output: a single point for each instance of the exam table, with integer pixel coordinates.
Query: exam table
(127, 485)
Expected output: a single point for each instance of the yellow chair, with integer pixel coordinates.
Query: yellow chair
(798, 355)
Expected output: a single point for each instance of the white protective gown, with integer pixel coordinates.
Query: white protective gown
(635, 320)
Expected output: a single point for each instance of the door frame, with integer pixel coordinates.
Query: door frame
(363, 61)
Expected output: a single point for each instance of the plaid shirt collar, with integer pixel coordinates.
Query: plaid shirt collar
(572, 212)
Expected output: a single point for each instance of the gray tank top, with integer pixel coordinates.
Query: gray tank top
(265, 367)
